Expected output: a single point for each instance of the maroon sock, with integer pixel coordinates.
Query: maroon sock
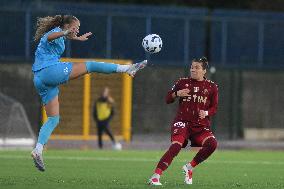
(193, 163)
(167, 158)
(207, 149)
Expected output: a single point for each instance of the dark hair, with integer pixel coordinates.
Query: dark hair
(47, 23)
(203, 61)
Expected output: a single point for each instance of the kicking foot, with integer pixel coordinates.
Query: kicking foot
(136, 67)
(188, 175)
(38, 160)
(154, 180)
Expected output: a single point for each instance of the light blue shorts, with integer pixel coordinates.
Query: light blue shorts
(48, 79)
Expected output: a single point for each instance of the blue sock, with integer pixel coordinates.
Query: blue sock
(47, 129)
(101, 67)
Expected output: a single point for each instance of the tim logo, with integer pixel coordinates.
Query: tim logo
(179, 124)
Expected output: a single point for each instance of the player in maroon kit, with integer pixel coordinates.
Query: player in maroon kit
(198, 100)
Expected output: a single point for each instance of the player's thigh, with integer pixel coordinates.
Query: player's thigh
(107, 129)
(78, 70)
(179, 133)
(52, 107)
(197, 139)
(56, 74)
(100, 127)
(47, 93)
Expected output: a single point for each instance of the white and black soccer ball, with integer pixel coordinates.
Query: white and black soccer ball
(152, 43)
(117, 146)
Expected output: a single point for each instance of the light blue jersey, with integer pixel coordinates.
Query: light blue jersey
(49, 72)
(49, 52)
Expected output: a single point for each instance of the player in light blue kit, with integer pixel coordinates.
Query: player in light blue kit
(49, 72)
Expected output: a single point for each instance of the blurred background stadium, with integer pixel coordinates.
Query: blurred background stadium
(243, 41)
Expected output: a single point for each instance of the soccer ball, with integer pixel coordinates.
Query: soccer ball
(152, 43)
(117, 146)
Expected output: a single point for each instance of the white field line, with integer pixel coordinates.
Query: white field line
(72, 158)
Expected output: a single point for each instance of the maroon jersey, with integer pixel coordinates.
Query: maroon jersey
(203, 95)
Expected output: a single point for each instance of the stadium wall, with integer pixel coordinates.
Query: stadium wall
(249, 100)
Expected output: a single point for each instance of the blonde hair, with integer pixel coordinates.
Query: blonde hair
(44, 24)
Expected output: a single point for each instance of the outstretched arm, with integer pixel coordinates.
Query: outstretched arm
(56, 35)
(83, 37)
(70, 34)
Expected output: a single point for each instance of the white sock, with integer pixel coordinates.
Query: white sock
(122, 68)
(189, 166)
(155, 175)
(39, 148)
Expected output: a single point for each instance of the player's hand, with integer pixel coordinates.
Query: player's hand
(183, 93)
(202, 114)
(72, 32)
(83, 37)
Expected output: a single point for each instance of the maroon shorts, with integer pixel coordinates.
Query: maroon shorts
(184, 131)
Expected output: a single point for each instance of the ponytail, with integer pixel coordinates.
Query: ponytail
(44, 24)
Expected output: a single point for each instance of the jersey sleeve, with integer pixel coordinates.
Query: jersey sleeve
(214, 101)
(44, 38)
(50, 32)
(169, 97)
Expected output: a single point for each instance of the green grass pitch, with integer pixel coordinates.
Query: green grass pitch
(131, 169)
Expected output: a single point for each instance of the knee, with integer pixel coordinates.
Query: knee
(211, 143)
(175, 149)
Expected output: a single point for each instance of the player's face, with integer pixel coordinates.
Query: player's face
(196, 71)
(74, 28)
